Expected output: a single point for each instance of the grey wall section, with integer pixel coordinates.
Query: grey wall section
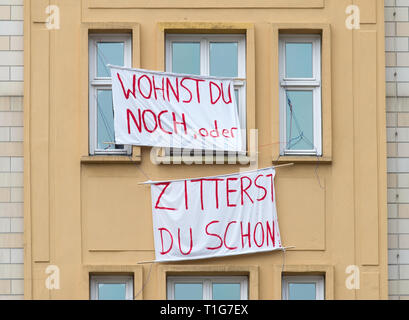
(11, 150)
(397, 108)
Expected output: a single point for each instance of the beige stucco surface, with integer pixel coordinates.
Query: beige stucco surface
(92, 215)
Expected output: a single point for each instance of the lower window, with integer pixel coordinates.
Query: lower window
(115, 287)
(303, 288)
(207, 288)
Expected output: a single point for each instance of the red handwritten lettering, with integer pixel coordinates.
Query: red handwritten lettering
(213, 235)
(191, 243)
(228, 191)
(161, 238)
(128, 91)
(166, 184)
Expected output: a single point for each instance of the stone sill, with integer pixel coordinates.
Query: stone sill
(114, 159)
(303, 159)
(201, 160)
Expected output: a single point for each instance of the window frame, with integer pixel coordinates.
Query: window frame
(319, 281)
(95, 280)
(103, 83)
(207, 282)
(313, 84)
(205, 39)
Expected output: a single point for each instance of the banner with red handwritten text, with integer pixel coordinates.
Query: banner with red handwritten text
(172, 110)
(215, 216)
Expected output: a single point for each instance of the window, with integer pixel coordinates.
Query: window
(218, 55)
(112, 49)
(207, 288)
(300, 95)
(303, 288)
(111, 287)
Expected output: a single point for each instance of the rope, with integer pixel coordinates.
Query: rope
(300, 137)
(145, 282)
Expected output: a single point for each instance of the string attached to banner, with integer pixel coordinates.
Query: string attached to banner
(149, 182)
(283, 249)
(283, 265)
(144, 284)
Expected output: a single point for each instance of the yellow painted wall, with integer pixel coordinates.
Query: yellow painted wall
(86, 214)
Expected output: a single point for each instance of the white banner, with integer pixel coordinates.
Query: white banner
(172, 110)
(215, 216)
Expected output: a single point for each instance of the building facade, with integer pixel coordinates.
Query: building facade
(11, 150)
(87, 218)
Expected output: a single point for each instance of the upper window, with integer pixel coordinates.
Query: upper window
(300, 95)
(218, 55)
(303, 288)
(207, 288)
(111, 287)
(114, 49)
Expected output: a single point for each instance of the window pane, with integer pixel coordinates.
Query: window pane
(105, 121)
(301, 291)
(186, 57)
(298, 60)
(188, 291)
(111, 291)
(109, 53)
(236, 93)
(223, 59)
(299, 116)
(226, 291)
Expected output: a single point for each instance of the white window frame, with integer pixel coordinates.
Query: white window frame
(207, 282)
(96, 280)
(103, 83)
(317, 280)
(205, 40)
(307, 84)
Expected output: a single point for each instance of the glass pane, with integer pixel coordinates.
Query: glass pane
(298, 60)
(186, 57)
(111, 291)
(105, 121)
(109, 53)
(236, 93)
(301, 291)
(223, 59)
(299, 116)
(188, 291)
(226, 291)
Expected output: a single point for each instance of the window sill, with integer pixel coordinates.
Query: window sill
(110, 159)
(303, 159)
(200, 160)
